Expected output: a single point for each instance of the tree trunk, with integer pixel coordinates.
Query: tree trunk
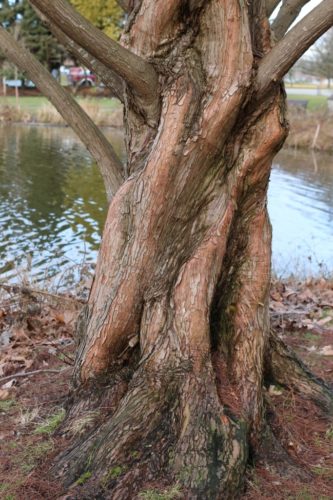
(174, 346)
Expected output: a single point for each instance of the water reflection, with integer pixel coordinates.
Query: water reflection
(52, 200)
(53, 206)
(301, 210)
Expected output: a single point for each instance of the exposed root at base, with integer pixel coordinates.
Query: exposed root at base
(284, 368)
(162, 427)
(173, 424)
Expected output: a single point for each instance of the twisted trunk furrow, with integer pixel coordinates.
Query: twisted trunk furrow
(179, 304)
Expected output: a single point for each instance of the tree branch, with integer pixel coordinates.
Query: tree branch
(288, 12)
(29, 374)
(271, 6)
(96, 143)
(138, 73)
(107, 76)
(287, 51)
(126, 5)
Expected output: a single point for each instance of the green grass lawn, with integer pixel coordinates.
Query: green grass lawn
(315, 103)
(304, 86)
(34, 103)
(30, 103)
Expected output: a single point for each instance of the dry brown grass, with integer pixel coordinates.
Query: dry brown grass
(47, 114)
(311, 130)
(308, 129)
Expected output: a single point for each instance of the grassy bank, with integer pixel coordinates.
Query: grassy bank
(310, 128)
(103, 111)
(36, 103)
(305, 86)
(315, 102)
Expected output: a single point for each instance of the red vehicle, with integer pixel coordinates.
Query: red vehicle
(81, 77)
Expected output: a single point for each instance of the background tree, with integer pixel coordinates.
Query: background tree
(31, 31)
(319, 61)
(174, 347)
(107, 15)
(9, 11)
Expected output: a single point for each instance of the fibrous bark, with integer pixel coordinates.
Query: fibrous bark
(174, 347)
(182, 282)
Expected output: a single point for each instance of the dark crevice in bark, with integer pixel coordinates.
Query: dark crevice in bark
(227, 390)
(161, 433)
(133, 8)
(225, 298)
(188, 275)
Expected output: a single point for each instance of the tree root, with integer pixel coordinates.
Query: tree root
(211, 451)
(284, 367)
(272, 454)
(172, 427)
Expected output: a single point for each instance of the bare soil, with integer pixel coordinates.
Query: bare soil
(36, 335)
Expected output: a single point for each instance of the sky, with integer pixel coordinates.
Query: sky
(310, 6)
(306, 9)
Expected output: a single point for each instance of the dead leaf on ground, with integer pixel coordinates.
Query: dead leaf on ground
(327, 350)
(4, 394)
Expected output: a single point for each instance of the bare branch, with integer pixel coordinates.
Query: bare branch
(288, 13)
(271, 6)
(73, 114)
(126, 5)
(138, 73)
(29, 374)
(287, 51)
(107, 76)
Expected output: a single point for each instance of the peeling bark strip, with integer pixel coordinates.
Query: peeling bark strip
(174, 346)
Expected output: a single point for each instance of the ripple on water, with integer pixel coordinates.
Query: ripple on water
(52, 204)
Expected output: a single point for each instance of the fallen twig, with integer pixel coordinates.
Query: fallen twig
(31, 291)
(28, 374)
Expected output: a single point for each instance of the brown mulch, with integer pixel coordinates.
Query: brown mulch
(36, 334)
(302, 312)
(36, 337)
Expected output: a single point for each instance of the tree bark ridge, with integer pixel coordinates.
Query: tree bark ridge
(176, 336)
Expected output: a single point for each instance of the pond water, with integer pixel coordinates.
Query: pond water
(52, 205)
